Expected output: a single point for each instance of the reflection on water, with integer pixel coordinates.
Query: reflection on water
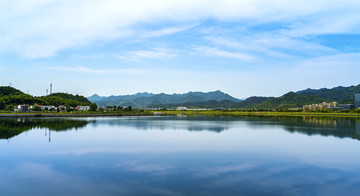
(10, 127)
(180, 155)
(338, 127)
(190, 123)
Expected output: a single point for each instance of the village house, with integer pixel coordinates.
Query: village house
(82, 108)
(21, 108)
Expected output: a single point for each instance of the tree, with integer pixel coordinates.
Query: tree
(93, 107)
(37, 108)
(10, 108)
(2, 105)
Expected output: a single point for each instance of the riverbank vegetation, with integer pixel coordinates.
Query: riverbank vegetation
(11, 97)
(353, 113)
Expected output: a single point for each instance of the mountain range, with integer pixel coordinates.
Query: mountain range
(218, 99)
(141, 100)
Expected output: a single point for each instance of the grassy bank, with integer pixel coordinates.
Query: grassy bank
(248, 113)
(74, 114)
(150, 113)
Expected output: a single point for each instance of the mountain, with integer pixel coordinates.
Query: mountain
(149, 99)
(7, 91)
(81, 99)
(10, 96)
(95, 97)
(290, 99)
(252, 102)
(212, 104)
(340, 94)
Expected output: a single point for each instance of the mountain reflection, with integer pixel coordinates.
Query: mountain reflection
(337, 127)
(10, 127)
(324, 126)
(190, 123)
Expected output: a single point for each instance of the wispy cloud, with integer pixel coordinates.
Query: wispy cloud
(224, 169)
(137, 166)
(124, 71)
(270, 44)
(155, 53)
(215, 52)
(166, 31)
(39, 28)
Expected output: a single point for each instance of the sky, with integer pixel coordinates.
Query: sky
(241, 47)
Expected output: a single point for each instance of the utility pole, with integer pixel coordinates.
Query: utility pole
(50, 88)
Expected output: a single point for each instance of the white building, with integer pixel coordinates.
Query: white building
(181, 108)
(21, 108)
(357, 101)
(82, 108)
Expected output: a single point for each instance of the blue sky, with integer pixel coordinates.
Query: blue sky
(241, 47)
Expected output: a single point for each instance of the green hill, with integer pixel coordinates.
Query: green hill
(339, 94)
(7, 90)
(252, 102)
(79, 98)
(10, 97)
(290, 99)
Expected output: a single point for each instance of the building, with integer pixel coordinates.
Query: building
(321, 106)
(47, 107)
(82, 108)
(357, 101)
(347, 106)
(21, 108)
(61, 107)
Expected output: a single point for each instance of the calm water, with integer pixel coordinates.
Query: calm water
(179, 156)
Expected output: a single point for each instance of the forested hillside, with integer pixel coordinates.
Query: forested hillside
(9, 97)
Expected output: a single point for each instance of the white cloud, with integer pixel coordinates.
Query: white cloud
(215, 52)
(41, 28)
(166, 31)
(156, 53)
(123, 71)
(272, 44)
(331, 24)
(335, 65)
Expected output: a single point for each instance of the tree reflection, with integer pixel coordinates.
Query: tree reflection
(10, 127)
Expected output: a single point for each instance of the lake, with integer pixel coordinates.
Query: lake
(180, 155)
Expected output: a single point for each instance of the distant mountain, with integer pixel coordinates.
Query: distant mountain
(149, 99)
(290, 99)
(218, 99)
(95, 97)
(252, 102)
(212, 104)
(340, 94)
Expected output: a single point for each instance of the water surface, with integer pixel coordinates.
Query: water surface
(179, 155)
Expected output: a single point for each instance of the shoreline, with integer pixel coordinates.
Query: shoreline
(280, 114)
(202, 113)
(73, 114)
